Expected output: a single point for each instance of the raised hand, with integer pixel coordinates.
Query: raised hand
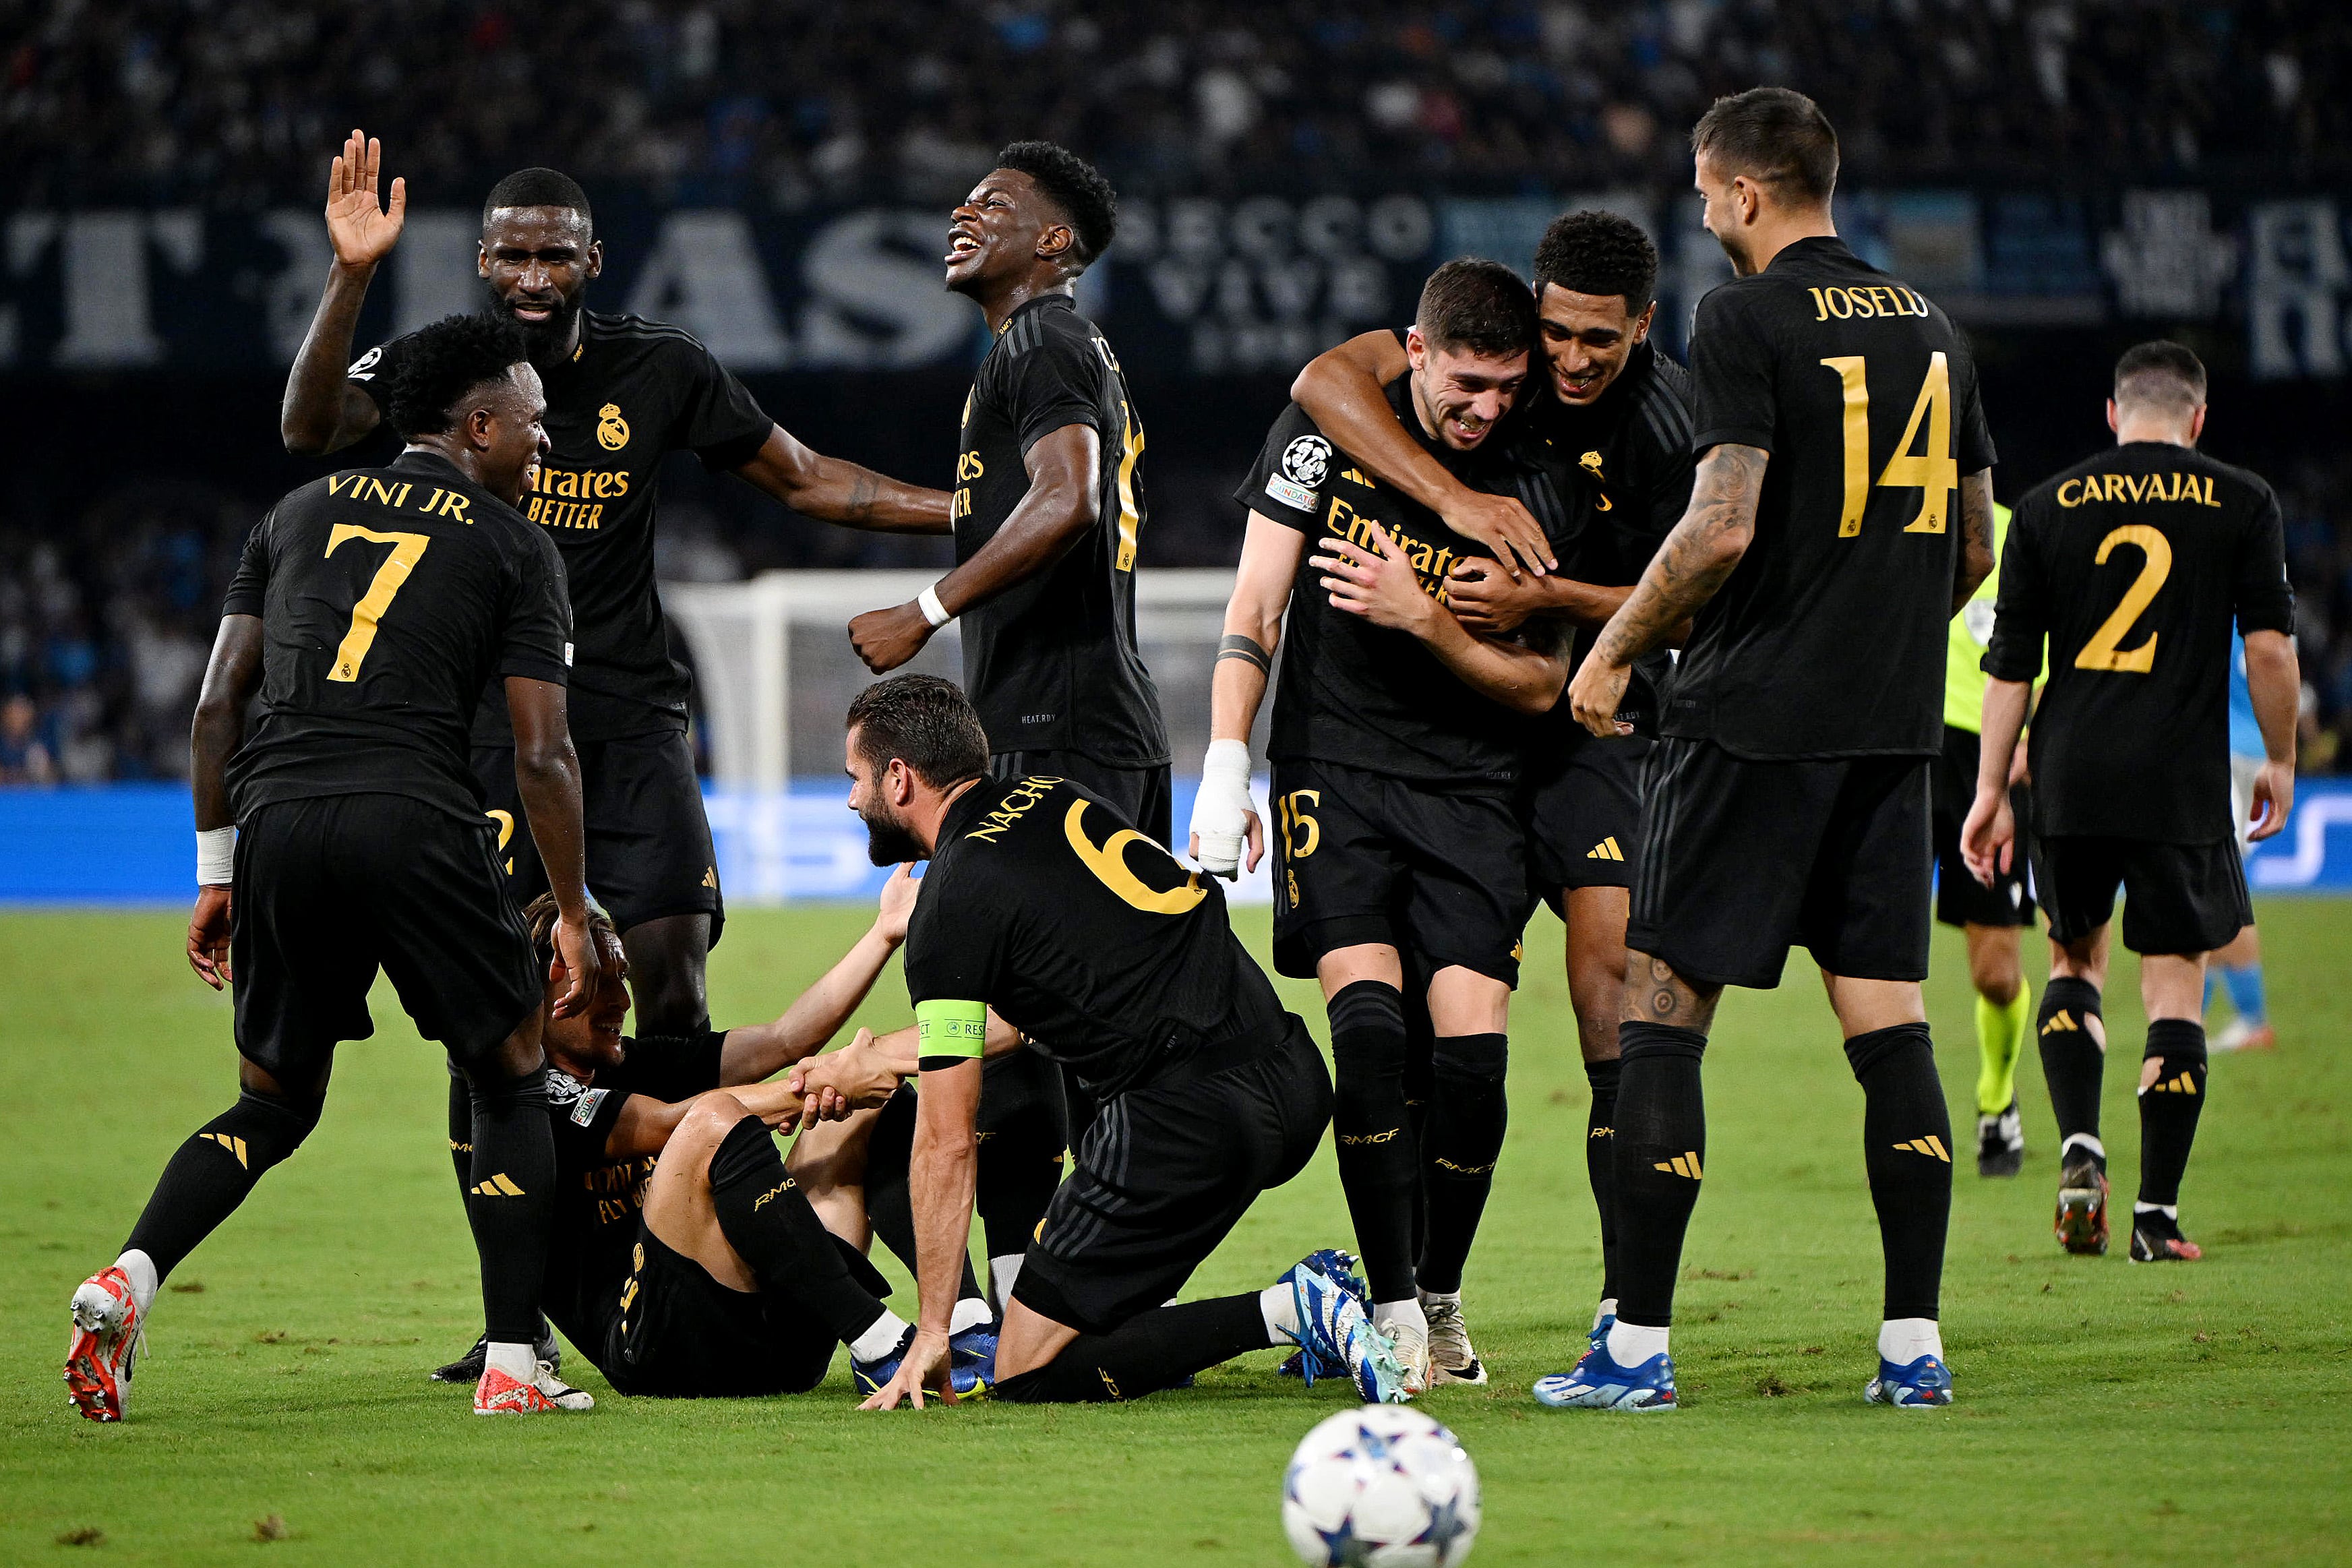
(362, 232)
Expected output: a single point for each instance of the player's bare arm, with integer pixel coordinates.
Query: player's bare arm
(1227, 835)
(231, 678)
(1693, 565)
(547, 774)
(1340, 390)
(816, 1014)
(322, 411)
(1061, 505)
(1976, 559)
(1384, 588)
(941, 1171)
(1988, 837)
(1494, 602)
(2274, 681)
(863, 1074)
(833, 490)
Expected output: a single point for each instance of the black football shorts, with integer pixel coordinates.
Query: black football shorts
(331, 890)
(649, 851)
(1363, 857)
(1583, 808)
(1145, 795)
(1164, 1173)
(674, 1333)
(1960, 898)
(1742, 860)
(2178, 898)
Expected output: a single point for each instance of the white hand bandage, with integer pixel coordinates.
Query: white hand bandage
(1221, 810)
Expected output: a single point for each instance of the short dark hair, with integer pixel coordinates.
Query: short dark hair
(924, 721)
(539, 918)
(441, 364)
(2163, 373)
(1477, 306)
(1774, 135)
(1593, 252)
(1075, 186)
(539, 188)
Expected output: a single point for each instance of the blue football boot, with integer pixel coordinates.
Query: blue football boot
(964, 1377)
(1339, 1268)
(1599, 1383)
(974, 1352)
(1598, 1340)
(1922, 1385)
(1339, 1340)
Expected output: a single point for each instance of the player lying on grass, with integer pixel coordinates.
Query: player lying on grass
(1045, 907)
(688, 1260)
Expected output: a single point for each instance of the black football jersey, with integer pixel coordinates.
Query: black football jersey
(1368, 697)
(598, 1198)
(1050, 664)
(388, 599)
(633, 392)
(1044, 903)
(2134, 565)
(1828, 639)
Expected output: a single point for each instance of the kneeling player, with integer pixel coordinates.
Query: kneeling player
(1046, 907)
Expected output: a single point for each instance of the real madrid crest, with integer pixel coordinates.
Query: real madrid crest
(611, 430)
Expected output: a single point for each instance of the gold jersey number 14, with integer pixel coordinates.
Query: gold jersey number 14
(1936, 473)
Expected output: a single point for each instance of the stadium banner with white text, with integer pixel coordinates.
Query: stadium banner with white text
(131, 844)
(1195, 285)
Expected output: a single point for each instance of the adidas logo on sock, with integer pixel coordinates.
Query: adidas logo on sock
(1605, 851)
(497, 1186)
(234, 1145)
(2059, 1022)
(2184, 1084)
(1931, 1146)
(1681, 1165)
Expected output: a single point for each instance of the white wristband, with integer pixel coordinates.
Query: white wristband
(928, 601)
(216, 856)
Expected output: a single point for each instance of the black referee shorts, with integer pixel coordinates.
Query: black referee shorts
(1363, 857)
(1583, 810)
(331, 890)
(649, 851)
(1741, 861)
(1960, 898)
(677, 1333)
(1163, 1176)
(2178, 898)
(1144, 795)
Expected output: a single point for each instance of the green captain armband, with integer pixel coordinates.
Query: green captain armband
(950, 1032)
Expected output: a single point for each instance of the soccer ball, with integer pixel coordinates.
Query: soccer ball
(1381, 1487)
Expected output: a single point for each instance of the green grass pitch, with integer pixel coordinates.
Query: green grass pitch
(2107, 1414)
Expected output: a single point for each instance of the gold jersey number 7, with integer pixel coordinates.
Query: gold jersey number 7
(407, 550)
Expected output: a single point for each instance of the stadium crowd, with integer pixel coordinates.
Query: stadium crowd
(730, 99)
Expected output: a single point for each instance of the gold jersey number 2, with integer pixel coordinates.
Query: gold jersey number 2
(407, 550)
(1935, 473)
(2103, 651)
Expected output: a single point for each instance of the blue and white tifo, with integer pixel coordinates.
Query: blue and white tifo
(129, 844)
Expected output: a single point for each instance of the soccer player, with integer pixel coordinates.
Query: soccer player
(1049, 513)
(2133, 566)
(1044, 905)
(1842, 512)
(688, 1260)
(1991, 918)
(1396, 749)
(623, 392)
(369, 612)
(1610, 419)
(2239, 966)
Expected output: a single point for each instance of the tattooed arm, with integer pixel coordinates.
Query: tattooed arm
(831, 490)
(1690, 568)
(1975, 563)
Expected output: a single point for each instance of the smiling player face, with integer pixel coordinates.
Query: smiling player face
(1461, 396)
(537, 262)
(1586, 338)
(1000, 232)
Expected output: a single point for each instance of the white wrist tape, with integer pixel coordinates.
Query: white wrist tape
(928, 601)
(216, 856)
(1221, 808)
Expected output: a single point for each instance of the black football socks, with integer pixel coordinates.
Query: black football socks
(2169, 1108)
(211, 1173)
(889, 1208)
(1661, 1148)
(2074, 1040)
(510, 1203)
(461, 1131)
(1906, 1136)
(1024, 1130)
(1467, 1118)
(1601, 1162)
(1378, 1169)
(768, 1221)
(1153, 1349)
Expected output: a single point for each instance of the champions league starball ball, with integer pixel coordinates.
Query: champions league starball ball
(1381, 1487)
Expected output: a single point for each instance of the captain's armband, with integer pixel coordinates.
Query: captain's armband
(948, 1033)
